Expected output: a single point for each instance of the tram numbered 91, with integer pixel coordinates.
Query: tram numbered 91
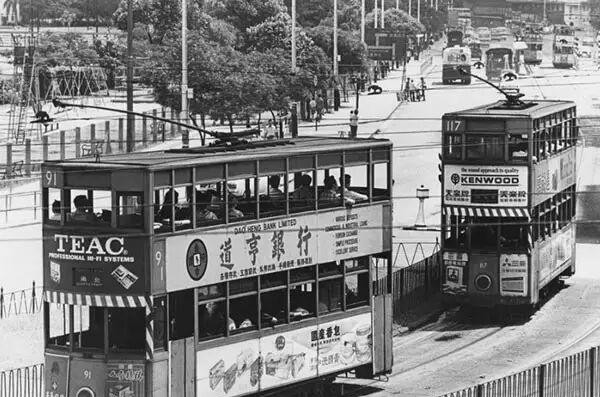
(218, 271)
(508, 202)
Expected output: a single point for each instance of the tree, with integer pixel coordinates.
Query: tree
(398, 21)
(244, 14)
(595, 14)
(351, 49)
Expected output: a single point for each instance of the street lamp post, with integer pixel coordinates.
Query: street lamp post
(184, 72)
(130, 117)
(293, 36)
(362, 20)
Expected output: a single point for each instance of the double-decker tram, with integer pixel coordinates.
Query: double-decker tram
(533, 54)
(454, 37)
(253, 268)
(563, 34)
(508, 202)
(564, 56)
(498, 62)
(453, 59)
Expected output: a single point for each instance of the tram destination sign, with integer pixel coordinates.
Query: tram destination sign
(481, 186)
(251, 249)
(110, 264)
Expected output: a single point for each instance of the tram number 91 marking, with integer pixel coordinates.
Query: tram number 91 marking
(87, 374)
(50, 178)
(453, 125)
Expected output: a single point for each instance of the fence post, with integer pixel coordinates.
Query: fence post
(45, 148)
(107, 136)
(541, 379)
(592, 370)
(479, 390)
(120, 134)
(154, 126)
(173, 117)
(163, 113)
(8, 160)
(1, 302)
(28, 157)
(62, 144)
(77, 142)
(144, 130)
(92, 132)
(33, 298)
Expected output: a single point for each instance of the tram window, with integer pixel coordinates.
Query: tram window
(181, 314)
(243, 311)
(81, 210)
(164, 202)
(184, 207)
(453, 146)
(94, 336)
(211, 292)
(302, 274)
(330, 269)
(457, 237)
(513, 235)
(159, 314)
(302, 301)
(273, 306)
(101, 206)
(535, 224)
(357, 289)
(484, 233)
(357, 264)
(302, 191)
(518, 147)
(488, 147)
(272, 280)
(209, 209)
(211, 320)
(329, 195)
(272, 195)
(58, 327)
(356, 188)
(330, 295)
(380, 181)
(242, 200)
(131, 210)
(52, 206)
(132, 320)
(243, 286)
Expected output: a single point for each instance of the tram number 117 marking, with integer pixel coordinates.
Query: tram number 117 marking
(483, 265)
(453, 125)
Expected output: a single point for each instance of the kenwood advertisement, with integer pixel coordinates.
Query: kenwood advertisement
(485, 186)
(108, 264)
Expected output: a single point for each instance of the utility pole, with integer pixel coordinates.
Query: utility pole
(397, 4)
(130, 116)
(362, 20)
(382, 14)
(294, 36)
(184, 72)
(418, 10)
(410, 7)
(544, 10)
(335, 39)
(375, 14)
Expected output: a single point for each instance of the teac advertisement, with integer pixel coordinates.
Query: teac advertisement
(501, 186)
(108, 264)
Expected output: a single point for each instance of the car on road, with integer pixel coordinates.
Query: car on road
(586, 47)
(485, 36)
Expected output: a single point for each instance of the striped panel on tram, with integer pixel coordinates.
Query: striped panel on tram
(69, 298)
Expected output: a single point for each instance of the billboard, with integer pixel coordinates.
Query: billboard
(554, 252)
(107, 264)
(513, 275)
(553, 175)
(485, 186)
(261, 247)
(455, 264)
(282, 358)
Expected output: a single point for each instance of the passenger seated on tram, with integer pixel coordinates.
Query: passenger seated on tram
(171, 198)
(83, 212)
(330, 193)
(234, 212)
(203, 213)
(55, 211)
(351, 196)
(215, 204)
(274, 192)
(211, 321)
(303, 195)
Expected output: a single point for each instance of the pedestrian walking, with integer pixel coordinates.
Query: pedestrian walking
(353, 123)
(320, 105)
(407, 90)
(413, 91)
(423, 88)
(313, 108)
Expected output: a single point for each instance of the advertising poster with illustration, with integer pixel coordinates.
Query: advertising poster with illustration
(284, 358)
(269, 246)
(454, 265)
(513, 275)
(104, 263)
(125, 380)
(229, 370)
(56, 373)
(553, 175)
(554, 252)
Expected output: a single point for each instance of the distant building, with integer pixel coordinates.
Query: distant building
(533, 10)
(8, 14)
(577, 13)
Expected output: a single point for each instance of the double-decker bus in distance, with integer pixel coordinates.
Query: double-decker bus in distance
(564, 56)
(498, 62)
(218, 271)
(533, 54)
(453, 59)
(508, 202)
(454, 38)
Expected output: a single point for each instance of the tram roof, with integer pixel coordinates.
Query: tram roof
(206, 155)
(532, 109)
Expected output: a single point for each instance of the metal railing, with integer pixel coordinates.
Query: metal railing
(23, 382)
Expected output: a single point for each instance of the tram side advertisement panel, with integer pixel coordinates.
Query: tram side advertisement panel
(553, 175)
(251, 249)
(485, 186)
(106, 263)
(283, 358)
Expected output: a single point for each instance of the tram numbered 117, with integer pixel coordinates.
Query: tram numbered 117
(508, 202)
(249, 269)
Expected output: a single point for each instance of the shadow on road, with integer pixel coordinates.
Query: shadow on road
(588, 217)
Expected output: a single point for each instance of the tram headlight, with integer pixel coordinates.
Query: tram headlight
(483, 282)
(85, 392)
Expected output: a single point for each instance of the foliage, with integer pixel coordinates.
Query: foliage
(102, 10)
(65, 49)
(352, 51)
(398, 21)
(595, 14)
(243, 14)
